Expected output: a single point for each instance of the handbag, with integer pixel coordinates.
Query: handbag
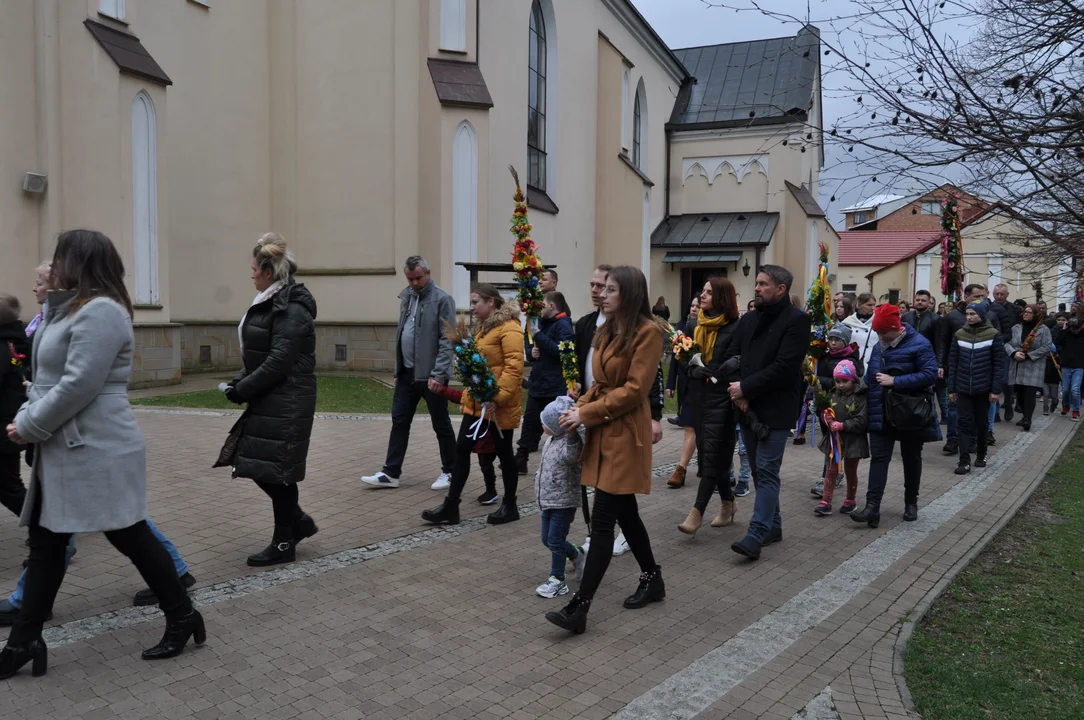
(229, 448)
(908, 412)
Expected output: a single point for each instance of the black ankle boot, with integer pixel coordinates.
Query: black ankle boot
(281, 549)
(870, 514)
(910, 512)
(13, 658)
(177, 633)
(651, 590)
(521, 462)
(447, 512)
(304, 527)
(506, 513)
(572, 617)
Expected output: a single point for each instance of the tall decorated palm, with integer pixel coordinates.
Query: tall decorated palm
(527, 265)
(952, 251)
(818, 306)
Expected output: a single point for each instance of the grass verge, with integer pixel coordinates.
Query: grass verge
(1006, 639)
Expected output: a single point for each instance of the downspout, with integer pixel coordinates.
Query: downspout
(478, 30)
(666, 199)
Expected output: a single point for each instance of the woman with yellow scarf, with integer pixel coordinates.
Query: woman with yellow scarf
(714, 414)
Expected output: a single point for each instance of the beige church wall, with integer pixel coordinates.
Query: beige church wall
(725, 194)
(431, 10)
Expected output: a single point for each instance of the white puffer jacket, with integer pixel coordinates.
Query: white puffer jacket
(862, 335)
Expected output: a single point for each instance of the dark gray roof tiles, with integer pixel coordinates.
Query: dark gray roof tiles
(713, 230)
(749, 83)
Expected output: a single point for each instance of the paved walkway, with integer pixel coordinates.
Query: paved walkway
(383, 617)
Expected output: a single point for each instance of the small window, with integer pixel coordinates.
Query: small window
(340, 353)
(112, 8)
(931, 207)
(636, 127)
(204, 354)
(626, 92)
(849, 288)
(894, 297)
(859, 217)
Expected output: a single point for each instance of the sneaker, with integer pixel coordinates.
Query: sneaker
(1064, 409)
(586, 545)
(980, 461)
(962, 469)
(488, 497)
(621, 545)
(443, 482)
(823, 508)
(951, 447)
(799, 440)
(380, 480)
(1046, 410)
(579, 561)
(990, 439)
(1076, 415)
(847, 507)
(839, 480)
(817, 490)
(741, 489)
(552, 588)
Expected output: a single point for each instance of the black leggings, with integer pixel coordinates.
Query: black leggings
(284, 501)
(1025, 395)
(12, 491)
(46, 567)
(610, 510)
(505, 453)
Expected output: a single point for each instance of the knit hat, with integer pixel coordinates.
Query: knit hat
(551, 414)
(886, 318)
(842, 332)
(980, 308)
(845, 370)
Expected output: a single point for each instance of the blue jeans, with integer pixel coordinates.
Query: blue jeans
(991, 414)
(952, 434)
(1070, 385)
(16, 598)
(766, 456)
(555, 536)
(744, 474)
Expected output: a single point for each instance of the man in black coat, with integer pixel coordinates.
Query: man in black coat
(772, 342)
(1009, 318)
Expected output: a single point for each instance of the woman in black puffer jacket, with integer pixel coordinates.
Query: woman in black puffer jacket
(278, 346)
(714, 414)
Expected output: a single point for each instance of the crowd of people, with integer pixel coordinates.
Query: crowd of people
(890, 373)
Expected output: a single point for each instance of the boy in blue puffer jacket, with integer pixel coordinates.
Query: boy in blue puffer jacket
(975, 365)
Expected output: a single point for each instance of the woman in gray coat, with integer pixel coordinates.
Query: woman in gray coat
(1027, 353)
(90, 463)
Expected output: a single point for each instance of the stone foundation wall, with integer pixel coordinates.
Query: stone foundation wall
(157, 357)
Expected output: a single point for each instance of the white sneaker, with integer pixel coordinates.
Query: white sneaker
(443, 482)
(579, 561)
(586, 545)
(552, 588)
(380, 480)
(621, 545)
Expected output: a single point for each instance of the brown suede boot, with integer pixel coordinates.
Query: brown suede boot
(678, 478)
(692, 523)
(727, 510)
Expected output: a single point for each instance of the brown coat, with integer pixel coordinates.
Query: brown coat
(500, 338)
(615, 410)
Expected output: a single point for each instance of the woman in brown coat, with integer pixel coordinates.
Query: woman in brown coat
(617, 452)
(500, 338)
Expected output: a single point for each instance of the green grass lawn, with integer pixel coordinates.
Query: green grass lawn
(333, 395)
(1006, 639)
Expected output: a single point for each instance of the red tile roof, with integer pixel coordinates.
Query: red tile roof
(882, 247)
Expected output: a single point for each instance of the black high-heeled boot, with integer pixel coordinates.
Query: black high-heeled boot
(870, 514)
(13, 658)
(304, 527)
(177, 633)
(651, 590)
(281, 549)
(572, 617)
(506, 513)
(447, 512)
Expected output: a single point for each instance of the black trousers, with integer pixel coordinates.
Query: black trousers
(973, 412)
(610, 510)
(881, 444)
(1025, 395)
(530, 431)
(505, 453)
(404, 403)
(12, 491)
(714, 465)
(284, 502)
(46, 567)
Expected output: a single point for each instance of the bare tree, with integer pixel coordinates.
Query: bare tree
(989, 91)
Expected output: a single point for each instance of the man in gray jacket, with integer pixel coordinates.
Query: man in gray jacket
(423, 360)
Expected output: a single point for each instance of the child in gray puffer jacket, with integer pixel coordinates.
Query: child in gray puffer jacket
(557, 486)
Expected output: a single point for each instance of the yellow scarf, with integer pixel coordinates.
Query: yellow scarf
(707, 330)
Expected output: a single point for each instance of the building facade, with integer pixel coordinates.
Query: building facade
(369, 132)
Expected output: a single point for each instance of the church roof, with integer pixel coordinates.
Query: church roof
(757, 82)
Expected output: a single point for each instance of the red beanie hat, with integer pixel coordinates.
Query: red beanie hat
(886, 318)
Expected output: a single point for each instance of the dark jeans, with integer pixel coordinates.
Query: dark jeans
(461, 459)
(1026, 395)
(610, 510)
(765, 458)
(284, 502)
(974, 413)
(555, 525)
(530, 432)
(952, 430)
(12, 491)
(403, 406)
(46, 566)
(881, 444)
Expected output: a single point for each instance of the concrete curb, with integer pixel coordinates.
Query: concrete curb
(907, 629)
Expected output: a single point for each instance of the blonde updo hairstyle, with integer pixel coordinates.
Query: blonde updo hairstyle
(271, 255)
